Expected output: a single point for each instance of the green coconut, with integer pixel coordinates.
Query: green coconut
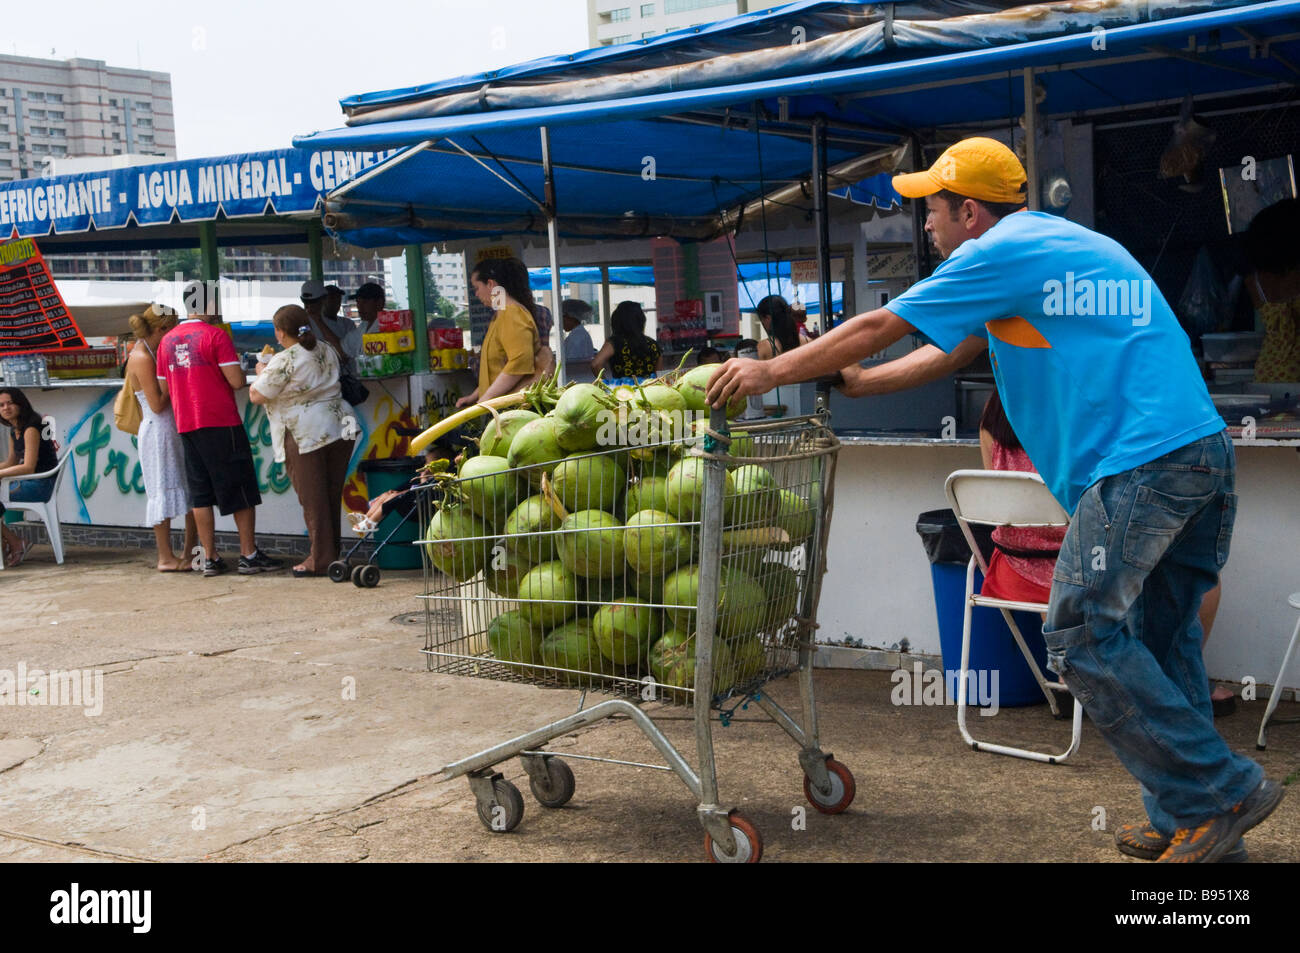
(589, 483)
(578, 415)
(754, 500)
(653, 547)
(596, 592)
(514, 639)
(672, 661)
(505, 568)
(694, 388)
(556, 590)
(795, 515)
(781, 583)
(591, 544)
(502, 430)
(452, 546)
(625, 630)
(533, 515)
(745, 661)
(535, 448)
(647, 493)
(489, 488)
(574, 647)
(742, 603)
(685, 489)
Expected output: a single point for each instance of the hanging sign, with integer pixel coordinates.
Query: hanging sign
(33, 316)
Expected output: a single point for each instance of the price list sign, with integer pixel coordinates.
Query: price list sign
(33, 316)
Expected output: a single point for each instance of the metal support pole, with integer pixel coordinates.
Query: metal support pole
(605, 309)
(1031, 141)
(419, 316)
(314, 250)
(553, 240)
(821, 219)
(209, 255)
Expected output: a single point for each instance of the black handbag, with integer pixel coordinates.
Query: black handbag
(354, 392)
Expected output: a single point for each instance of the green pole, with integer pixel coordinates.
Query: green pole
(419, 317)
(314, 251)
(209, 261)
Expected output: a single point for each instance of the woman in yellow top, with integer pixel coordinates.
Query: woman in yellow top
(512, 349)
(1273, 247)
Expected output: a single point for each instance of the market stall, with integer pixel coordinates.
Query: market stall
(267, 199)
(866, 79)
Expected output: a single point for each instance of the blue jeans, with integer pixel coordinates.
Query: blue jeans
(1143, 548)
(30, 491)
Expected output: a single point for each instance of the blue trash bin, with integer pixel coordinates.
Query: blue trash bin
(993, 648)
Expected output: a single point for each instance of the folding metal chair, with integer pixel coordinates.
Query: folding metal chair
(1004, 498)
(1274, 698)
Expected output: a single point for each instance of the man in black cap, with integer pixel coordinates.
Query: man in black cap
(370, 301)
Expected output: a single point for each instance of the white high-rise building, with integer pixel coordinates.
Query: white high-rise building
(78, 107)
(610, 22)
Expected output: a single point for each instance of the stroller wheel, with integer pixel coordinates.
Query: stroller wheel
(338, 571)
(369, 576)
(356, 577)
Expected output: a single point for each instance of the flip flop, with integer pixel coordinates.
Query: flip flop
(16, 559)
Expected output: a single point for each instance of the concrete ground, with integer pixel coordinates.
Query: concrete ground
(269, 718)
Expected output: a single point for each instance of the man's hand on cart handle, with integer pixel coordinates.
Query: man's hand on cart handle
(742, 377)
(856, 338)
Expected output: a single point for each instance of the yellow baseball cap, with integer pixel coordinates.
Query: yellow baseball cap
(978, 168)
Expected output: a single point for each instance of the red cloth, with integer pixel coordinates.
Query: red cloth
(190, 359)
(1036, 572)
(1004, 582)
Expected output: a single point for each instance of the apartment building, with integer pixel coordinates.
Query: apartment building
(610, 22)
(50, 109)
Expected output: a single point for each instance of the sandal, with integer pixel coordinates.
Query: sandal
(15, 559)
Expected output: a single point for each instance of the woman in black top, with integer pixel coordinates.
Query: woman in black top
(28, 452)
(628, 352)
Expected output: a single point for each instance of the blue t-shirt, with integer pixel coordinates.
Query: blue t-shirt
(1095, 374)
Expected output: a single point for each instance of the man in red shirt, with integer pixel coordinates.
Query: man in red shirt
(199, 370)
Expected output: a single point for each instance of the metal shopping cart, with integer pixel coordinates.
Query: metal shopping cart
(699, 596)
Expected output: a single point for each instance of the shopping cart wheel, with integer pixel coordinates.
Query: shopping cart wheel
(505, 810)
(339, 571)
(749, 845)
(558, 787)
(367, 577)
(843, 788)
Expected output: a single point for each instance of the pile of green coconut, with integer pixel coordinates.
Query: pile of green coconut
(576, 517)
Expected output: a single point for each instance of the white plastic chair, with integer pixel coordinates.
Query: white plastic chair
(1277, 683)
(47, 512)
(1004, 498)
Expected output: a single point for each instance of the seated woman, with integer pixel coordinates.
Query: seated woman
(779, 324)
(1273, 247)
(1024, 558)
(300, 388)
(28, 452)
(628, 352)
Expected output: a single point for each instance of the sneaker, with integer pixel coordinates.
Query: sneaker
(258, 562)
(1210, 841)
(215, 567)
(1145, 842)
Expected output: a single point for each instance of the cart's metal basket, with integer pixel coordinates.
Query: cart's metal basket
(588, 572)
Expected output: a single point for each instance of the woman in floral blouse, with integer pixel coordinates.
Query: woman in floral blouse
(312, 430)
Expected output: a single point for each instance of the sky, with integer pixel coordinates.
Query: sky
(251, 75)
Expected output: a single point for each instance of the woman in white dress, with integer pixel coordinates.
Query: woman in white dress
(162, 460)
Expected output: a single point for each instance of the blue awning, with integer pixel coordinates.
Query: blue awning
(540, 278)
(669, 162)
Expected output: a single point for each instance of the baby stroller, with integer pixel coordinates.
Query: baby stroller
(365, 575)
